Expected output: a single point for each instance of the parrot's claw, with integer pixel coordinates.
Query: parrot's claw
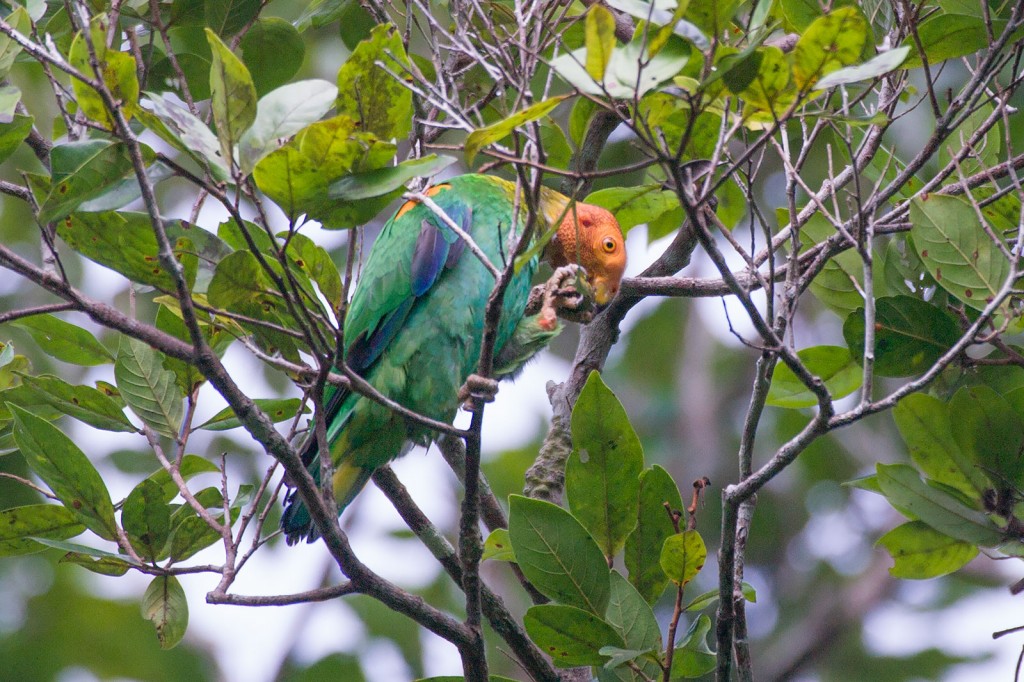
(565, 295)
(477, 390)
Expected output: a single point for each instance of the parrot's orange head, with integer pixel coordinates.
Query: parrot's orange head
(590, 236)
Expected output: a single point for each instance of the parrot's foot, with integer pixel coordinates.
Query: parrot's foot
(565, 295)
(477, 390)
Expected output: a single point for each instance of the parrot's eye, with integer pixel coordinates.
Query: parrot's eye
(608, 245)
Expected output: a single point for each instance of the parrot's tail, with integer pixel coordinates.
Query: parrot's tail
(296, 522)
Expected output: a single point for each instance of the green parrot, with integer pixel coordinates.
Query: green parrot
(414, 326)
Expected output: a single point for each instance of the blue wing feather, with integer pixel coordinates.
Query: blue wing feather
(428, 257)
(365, 350)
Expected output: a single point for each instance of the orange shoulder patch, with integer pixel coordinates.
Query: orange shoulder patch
(409, 205)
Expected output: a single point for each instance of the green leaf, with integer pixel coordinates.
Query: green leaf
(314, 261)
(682, 556)
(675, 26)
(6, 355)
(910, 335)
(947, 36)
(274, 51)
(761, 78)
(320, 13)
(168, 320)
(10, 96)
(193, 58)
(840, 284)
(148, 388)
(191, 465)
(956, 250)
(20, 21)
(990, 434)
(76, 548)
(84, 403)
(632, 617)
(732, 204)
(926, 426)
(65, 341)
(833, 364)
(164, 604)
(241, 285)
(618, 657)
(19, 525)
(654, 526)
(498, 546)
(277, 409)
(903, 487)
(282, 113)
(179, 128)
(233, 95)
(873, 68)
(580, 115)
(870, 484)
(693, 658)
(117, 70)
(922, 552)
(83, 171)
(799, 14)
(482, 137)
(599, 30)
(569, 635)
(12, 134)
(383, 181)
(831, 42)
(711, 17)
(631, 72)
(66, 470)
(7, 444)
(985, 152)
(633, 206)
(146, 518)
(190, 533)
(602, 475)
(705, 600)
(297, 176)
(557, 554)
(126, 190)
(556, 147)
(124, 242)
(368, 94)
(110, 566)
(25, 398)
(675, 119)
(228, 17)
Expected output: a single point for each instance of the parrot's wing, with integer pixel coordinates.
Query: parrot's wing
(411, 253)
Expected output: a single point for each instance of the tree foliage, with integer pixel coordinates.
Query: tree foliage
(851, 169)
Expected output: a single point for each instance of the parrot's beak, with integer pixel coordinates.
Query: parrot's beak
(604, 291)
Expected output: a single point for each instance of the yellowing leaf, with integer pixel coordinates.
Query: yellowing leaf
(165, 605)
(921, 552)
(233, 95)
(600, 40)
(367, 93)
(116, 70)
(482, 137)
(831, 42)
